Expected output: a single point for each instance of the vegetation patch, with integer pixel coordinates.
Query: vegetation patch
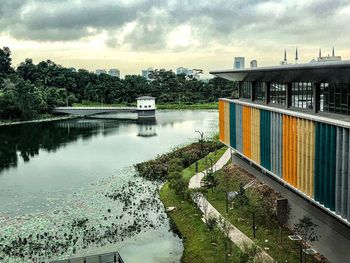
(253, 211)
(176, 160)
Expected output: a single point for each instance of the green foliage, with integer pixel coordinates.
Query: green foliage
(241, 198)
(248, 254)
(178, 184)
(306, 228)
(58, 86)
(179, 158)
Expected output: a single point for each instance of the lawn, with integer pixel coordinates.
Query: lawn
(198, 246)
(268, 233)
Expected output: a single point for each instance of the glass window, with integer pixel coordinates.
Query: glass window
(302, 95)
(335, 97)
(278, 93)
(246, 90)
(260, 89)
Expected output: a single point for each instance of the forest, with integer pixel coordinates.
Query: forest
(30, 90)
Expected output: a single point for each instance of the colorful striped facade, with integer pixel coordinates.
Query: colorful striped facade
(307, 154)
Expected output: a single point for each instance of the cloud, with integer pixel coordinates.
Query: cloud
(212, 23)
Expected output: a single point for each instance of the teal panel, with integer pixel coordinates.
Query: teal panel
(268, 140)
(332, 168)
(233, 125)
(317, 163)
(326, 170)
(262, 138)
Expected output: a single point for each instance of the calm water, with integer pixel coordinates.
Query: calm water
(76, 178)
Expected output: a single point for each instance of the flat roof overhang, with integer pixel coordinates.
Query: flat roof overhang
(320, 72)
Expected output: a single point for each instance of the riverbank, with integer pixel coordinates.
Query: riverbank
(44, 118)
(200, 243)
(160, 106)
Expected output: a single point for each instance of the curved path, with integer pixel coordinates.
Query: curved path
(208, 210)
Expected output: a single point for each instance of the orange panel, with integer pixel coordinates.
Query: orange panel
(221, 121)
(246, 131)
(294, 156)
(284, 142)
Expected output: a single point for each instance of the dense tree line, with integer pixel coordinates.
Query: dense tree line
(31, 89)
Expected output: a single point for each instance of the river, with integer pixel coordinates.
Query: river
(69, 187)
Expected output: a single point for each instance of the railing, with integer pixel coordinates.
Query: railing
(102, 258)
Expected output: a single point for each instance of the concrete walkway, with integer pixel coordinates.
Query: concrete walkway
(209, 211)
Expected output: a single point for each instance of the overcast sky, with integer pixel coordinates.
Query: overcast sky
(135, 34)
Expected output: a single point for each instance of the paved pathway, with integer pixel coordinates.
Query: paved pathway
(208, 210)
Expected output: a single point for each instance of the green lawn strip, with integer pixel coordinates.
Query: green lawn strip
(215, 156)
(197, 238)
(288, 250)
(183, 106)
(160, 106)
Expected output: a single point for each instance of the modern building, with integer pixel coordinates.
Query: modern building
(100, 71)
(146, 73)
(239, 62)
(293, 123)
(253, 63)
(114, 72)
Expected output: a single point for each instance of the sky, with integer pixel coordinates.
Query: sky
(136, 34)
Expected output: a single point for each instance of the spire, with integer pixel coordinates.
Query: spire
(320, 54)
(296, 55)
(285, 56)
(333, 53)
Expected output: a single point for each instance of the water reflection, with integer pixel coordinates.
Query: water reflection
(53, 173)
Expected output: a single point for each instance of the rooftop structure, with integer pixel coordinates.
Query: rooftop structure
(100, 71)
(239, 63)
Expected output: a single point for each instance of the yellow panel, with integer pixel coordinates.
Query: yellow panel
(227, 122)
(299, 127)
(221, 120)
(307, 158)
(312, 158)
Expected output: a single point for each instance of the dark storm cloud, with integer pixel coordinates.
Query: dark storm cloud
(214, 21)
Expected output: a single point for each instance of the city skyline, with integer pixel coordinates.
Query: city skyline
(170, 34)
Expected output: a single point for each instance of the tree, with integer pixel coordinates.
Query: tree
(178, 184)
(5, 62)
(254, 208)
(241, 198)
(306, 228)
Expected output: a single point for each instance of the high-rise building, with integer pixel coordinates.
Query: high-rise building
(146, 72)
(253, 63)
(114, 72)
(100, 71)
(239, 63)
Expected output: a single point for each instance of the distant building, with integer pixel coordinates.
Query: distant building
(182, 70)
(284, 61)
(253, 63)
(239, 62)
(114, 72)
(328, 58)
(146, 73)
(100, 71)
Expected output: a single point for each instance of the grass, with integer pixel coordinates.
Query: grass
(198, 245)
(287, 251)
(160, 106)
(185, 106)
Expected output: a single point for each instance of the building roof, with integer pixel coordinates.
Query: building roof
(335, 71)
(145, 98)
